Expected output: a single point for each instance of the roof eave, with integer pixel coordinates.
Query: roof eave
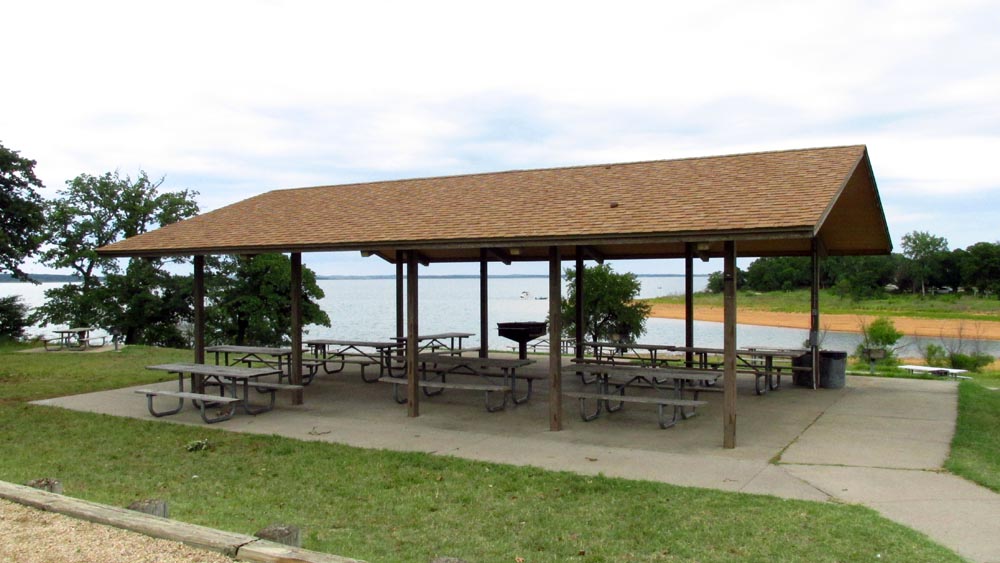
(389, 247)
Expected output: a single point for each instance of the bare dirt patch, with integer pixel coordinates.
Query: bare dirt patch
(948, 328)
(29, 535)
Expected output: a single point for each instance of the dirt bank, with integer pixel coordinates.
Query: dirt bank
(949, 328)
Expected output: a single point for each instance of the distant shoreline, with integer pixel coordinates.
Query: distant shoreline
(43, 278)
(57, 278)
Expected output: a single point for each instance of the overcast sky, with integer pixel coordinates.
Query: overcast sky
(232, 99)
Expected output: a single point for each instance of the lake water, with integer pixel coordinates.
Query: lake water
(365, 310)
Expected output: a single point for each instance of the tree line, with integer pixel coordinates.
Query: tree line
(248, 299)
(925, 265)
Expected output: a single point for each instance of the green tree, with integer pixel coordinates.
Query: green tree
(148, 304)
(94, 211)
(980, 267)
(610, 309)
(783, 273)
(924, 250)
(250, 300)
(860, 277)
(716, 281)
(13, 318)
(21, 212)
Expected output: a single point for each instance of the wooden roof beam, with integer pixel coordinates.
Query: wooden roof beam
(500, 254)
(591, 253)
(388, 258)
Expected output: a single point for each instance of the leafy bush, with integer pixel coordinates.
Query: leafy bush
(936, 356)
(971, 362)
(881, 334)
(13, 318)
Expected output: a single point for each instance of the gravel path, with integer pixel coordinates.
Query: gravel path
(28, 535)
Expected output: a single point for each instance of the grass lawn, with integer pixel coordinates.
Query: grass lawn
(975, 450)
(953, 306)
(391, 506)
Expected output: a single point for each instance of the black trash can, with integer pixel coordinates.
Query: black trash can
(832, 369)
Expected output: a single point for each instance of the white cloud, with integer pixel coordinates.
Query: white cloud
(234, 98)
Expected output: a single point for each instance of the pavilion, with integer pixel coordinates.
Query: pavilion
(807, 202)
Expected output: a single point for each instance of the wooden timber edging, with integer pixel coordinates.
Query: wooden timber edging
(241, 546)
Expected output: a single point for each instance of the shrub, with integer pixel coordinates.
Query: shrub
(13, 318)
(971, 362)
(881, 334)
(936, 356)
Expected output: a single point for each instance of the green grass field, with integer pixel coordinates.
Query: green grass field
(975, 449)
(953, 306)
(391, 506)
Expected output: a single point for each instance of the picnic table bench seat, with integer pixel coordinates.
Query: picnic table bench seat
(270, 389)
(343, 359)
(444, 364)
(202, 400)
(311, 367)
(661, 402)
(679, 380)
(425, 385)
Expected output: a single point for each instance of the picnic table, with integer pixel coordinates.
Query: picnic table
(632, 352)
(499, 375)
(249, 355)
(363, 353)
(450, 342)
(668, 385)
(77, 338)
(756, 361)
(230, 380)
(945, 372)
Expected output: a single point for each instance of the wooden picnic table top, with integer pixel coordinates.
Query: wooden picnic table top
(230, 372)
(635, 345)
(438, 336)
(74, 330)
(356, 343)
(686, 374)
(448, 359)
(762, 352)
(249, 349)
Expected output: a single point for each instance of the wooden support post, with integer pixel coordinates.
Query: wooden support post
(400, 322)
(412, 393)
(814, 314)
(295, 370)
(555, 335)
(581, 328)
(729, 346)
(484, 304)
(198, 382)
(199, 309)
(689, 302)
(400, 299)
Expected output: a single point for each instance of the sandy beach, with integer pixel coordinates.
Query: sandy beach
(948, 328)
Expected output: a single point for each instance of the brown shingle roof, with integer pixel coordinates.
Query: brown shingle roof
(622, 210)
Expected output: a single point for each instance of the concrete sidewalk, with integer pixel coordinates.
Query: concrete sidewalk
(878, 442)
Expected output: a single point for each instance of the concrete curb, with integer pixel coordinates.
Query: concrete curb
(239, 546)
